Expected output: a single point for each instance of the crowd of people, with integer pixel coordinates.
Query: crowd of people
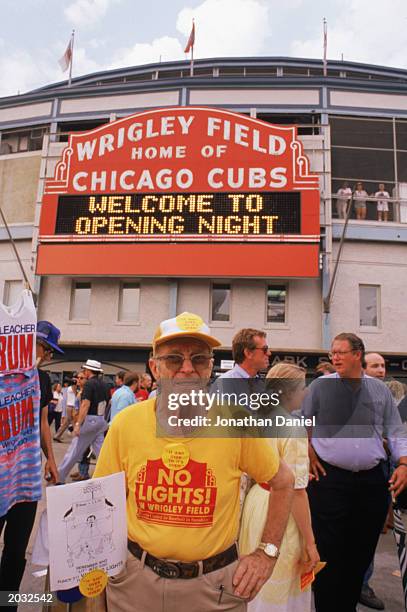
(241, 520)
(361, 197)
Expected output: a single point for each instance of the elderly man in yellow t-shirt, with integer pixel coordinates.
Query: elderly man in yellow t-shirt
(183, 492)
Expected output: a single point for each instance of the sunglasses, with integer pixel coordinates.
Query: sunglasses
(265, 349)
(332, 354)
(174, 361)
(46, 348)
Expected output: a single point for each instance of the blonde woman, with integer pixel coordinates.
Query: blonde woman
(298, 552)
(396, 389)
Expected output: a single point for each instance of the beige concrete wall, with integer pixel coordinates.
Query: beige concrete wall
(9, 268)
(25, 111)
(248, 310)
(137, 100)
(382, 264)
(19, 176)
(358, 99)
(278, 97)
(103, 326)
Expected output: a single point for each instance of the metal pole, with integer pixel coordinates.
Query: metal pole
(396, 206)
(71, 62)
(327, 300)
(324, 61)
(13, 244)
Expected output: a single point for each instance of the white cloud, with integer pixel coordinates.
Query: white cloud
(96, 43)
(82, 64)
(365, 31)
(166, 48)
(227, 27)
(85, 13)
(21, 71)
(223, 27)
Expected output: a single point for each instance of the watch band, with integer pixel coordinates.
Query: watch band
(403, 463)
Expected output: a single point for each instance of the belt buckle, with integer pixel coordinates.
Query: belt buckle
(166, 569)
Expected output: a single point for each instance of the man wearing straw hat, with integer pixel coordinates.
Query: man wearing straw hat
(91, 423)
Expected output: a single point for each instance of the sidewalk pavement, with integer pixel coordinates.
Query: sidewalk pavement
(386, 585)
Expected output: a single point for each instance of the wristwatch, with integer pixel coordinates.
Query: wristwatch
(269, 549)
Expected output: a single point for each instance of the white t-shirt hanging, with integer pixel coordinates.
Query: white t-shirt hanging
(18, 324)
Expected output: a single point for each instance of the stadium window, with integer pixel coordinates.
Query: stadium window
(11, 292)
(369, 133)
(261, 71)
(296, 71)
(276, 304)
(231, 71)
(370, 166)
(301, 121)
(402, 166)
(22, 141)
(369, 305)
(363, 164)
(80, 301)
(356, 75)
(202, 72)
(129, 302)
(64, 129)
(144, 76)
(221, 302)
(401, 135)
(169, 74)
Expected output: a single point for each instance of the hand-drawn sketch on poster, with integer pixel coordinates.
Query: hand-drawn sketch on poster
(87, 529)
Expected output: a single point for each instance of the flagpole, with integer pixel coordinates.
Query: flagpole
(71, 62)
(325, 63)
(190, 47)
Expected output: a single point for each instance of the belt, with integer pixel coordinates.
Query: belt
(177, 569)
(361, 471)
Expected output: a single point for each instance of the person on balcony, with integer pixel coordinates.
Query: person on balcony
(344, 195)
(360, 196)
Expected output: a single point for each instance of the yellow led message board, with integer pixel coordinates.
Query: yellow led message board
(194, 214)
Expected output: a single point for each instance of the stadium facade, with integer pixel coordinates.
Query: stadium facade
(352, 123)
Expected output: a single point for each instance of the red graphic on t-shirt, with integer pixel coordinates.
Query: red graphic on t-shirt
(182, 498)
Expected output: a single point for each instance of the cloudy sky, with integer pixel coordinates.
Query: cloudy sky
(118, 33)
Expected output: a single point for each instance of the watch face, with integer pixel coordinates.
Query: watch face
(271, 550)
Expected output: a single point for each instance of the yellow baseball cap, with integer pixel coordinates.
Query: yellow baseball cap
(185, 325)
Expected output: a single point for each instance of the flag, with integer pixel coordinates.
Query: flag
(66, 59)
(191, 39)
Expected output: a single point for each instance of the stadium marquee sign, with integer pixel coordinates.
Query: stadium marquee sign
(181, 175)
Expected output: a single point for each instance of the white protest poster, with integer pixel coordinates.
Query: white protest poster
(87, 529)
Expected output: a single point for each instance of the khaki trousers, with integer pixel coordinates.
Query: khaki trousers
(138, 589)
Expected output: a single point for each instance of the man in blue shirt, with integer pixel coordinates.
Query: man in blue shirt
(349, 495)
(124, 395)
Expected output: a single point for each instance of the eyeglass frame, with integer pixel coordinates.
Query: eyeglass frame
(333, 353)
(266, 349)
(190, 358)
(45, 346)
